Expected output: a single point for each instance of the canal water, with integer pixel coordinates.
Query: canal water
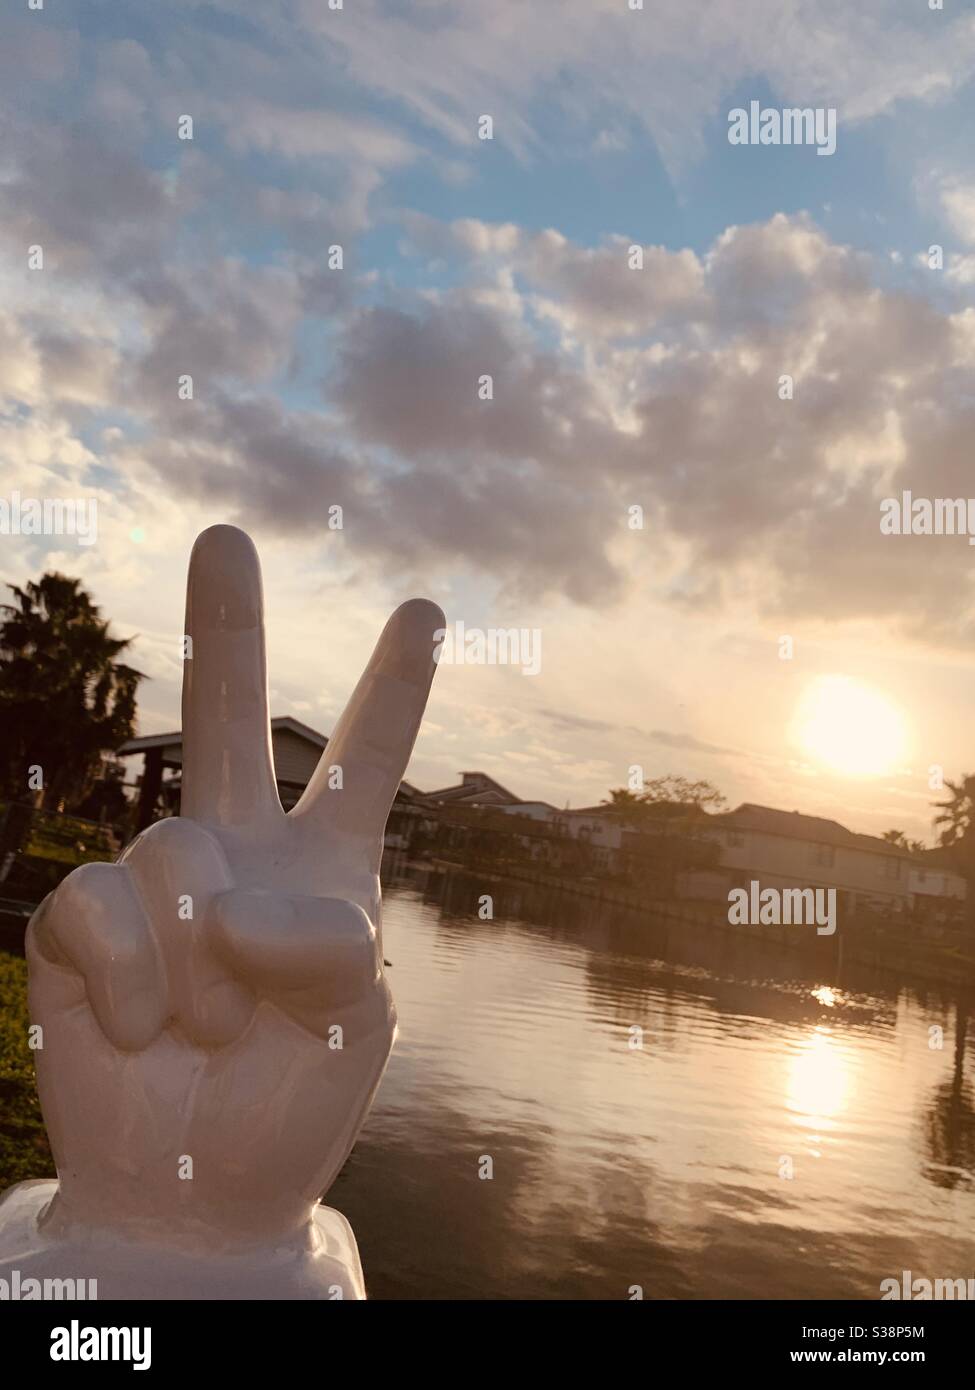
(658, 1106)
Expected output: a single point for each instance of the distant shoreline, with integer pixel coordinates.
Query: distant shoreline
(861, 943)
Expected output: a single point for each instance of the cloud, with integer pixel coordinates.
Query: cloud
(94, 208)
(958, 201)
(588, 291)
(688, 741)
(611, 386)
(576, 723)
(312, 133)
(749, 497)
(543, 75)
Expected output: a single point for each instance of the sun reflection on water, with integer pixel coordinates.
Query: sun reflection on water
(819, 1081)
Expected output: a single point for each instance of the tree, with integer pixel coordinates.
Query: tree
(65, 699)
(665, 796)
(958, 833)
(958, 812)
(671, 791)
(669, 814)
(106, 800)
(898, 838)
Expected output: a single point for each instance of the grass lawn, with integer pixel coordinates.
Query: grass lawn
(24, 1151)
(70, 841)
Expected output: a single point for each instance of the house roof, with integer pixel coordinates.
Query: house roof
(284, 721)
(470, 791)
(411, 793)
(795, 825)
(280, 724)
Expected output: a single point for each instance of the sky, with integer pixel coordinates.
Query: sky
(614, 387)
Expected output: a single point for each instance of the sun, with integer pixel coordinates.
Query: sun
(850, 728)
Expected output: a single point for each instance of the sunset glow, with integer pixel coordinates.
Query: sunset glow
(850, 728)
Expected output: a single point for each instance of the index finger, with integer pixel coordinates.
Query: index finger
(228, 770)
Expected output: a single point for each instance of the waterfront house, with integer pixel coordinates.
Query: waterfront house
(936, 887)
(786, 849)
(296, 749)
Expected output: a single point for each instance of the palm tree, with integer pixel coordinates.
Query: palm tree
(958, 819)
(958, 812)
(65, 699)
(898, 838)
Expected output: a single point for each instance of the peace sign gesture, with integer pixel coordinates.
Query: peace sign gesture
(214, 1010)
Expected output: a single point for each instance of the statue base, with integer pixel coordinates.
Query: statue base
(324, 1264)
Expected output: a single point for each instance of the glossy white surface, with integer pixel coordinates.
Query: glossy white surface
(324, 1263)
(193, 996)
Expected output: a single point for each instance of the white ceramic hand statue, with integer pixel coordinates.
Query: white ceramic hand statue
(214, 1011)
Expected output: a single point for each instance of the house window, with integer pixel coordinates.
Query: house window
(736, 839)
(823, 855)
(892, 868)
